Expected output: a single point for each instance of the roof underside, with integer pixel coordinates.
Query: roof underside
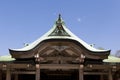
(65, 46)
(59, 37)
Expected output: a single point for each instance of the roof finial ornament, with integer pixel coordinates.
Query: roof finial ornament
(59, 18)
(59, 21)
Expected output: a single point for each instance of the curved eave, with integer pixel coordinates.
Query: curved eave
(28, 53)
(6, 58)
(112, 59)
(47, 37)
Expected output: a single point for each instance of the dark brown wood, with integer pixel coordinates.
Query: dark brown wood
(110, 75)
(21, 66)
(0, 74)
(23, 72)
(81, 72)
(16, 76)
(101, 77)
(62, 58)
(95, 73)
(8, 74)
(59, 66)
(37, 75)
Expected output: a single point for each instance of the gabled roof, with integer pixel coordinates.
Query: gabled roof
(59, 31)
(6, 58)
(112, 59)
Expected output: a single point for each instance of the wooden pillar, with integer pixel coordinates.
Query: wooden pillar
(8, 74)
(101, 77)
(37, 76)
(0, 75)
(16, 76)
(110, 75)
(81, 72)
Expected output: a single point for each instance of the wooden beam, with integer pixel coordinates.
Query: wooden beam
(97, 66)
(102, 66)
(20, 66)
(23, 72)
(63, 58)
(59, 66)
(95, 73)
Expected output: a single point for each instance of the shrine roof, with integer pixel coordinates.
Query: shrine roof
(59, 31)
(112, 59)
(6, 58)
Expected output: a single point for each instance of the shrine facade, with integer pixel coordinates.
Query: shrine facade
(59, 55)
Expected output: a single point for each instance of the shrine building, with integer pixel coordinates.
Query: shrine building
(59, 55)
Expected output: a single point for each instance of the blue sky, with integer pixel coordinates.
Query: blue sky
(95, 21)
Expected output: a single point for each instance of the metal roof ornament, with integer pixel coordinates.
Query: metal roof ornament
(59, 21)
(59, 18)
(59, 30)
